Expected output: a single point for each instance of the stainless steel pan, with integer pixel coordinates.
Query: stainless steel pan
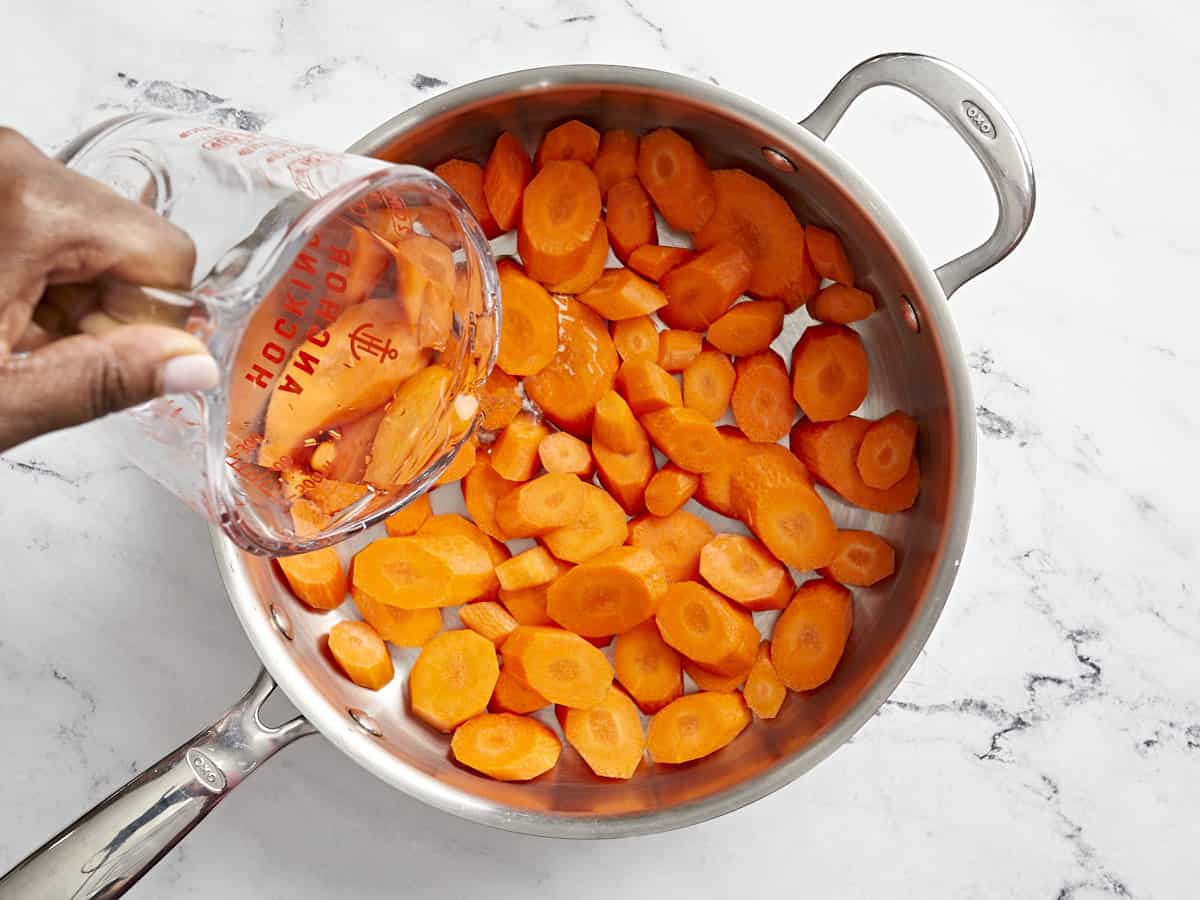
(917, 365)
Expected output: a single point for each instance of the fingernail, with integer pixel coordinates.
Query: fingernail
(185, 374)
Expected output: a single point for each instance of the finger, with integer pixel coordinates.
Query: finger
(36, 335)
(79, 378)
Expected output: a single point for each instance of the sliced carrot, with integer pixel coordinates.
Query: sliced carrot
(402, 627)
(647, 386)
(472, 572)
(499, 400)
(558, 216)
(653, 261)
(463, 462)
(408, 519)
(861, 558)
(751, 212)
(559, 665)
(547, 502)
(764, 690)
(748, 328)
(506, 747)
(669, 489)
(489, 619)
(616, 159)
(453, 525)
(351, 447)
(609, 594)
(711, 681)
(708, 384)
(482, 489)
(529, 325)
(629, 217)
(744, 571)
(401, 572)
(453, 678)
(425, 281)
(707, 628)
(841, 304)
(887, 450)
(678, 179)
(829, 372)
(828, 255)
(570, 140)
(565, 453)
(528, 605)
(413, 431)
(584, 368)
(810, 635)
(678, 349)
(762, 397)
(615, 426)
(676, 540)
(791, 519)
(714, 489)
(830, 450)
(332, 496)
(601, 524)
(514, 454)
(609, 736)
(626, 475)
(529, 569)
(763, 470)
(507, 173)
(361, 654)
(369, 259)
(701, 290)
(323, 456)
(316, 577)
(688, 439)
(307, 519)
(590, 269)
(620, 294)
(636, 338)
(467, 179)
(696, 726)
(512, 695)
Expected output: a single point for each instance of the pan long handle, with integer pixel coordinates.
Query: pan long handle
(109, 848)
(979, 120)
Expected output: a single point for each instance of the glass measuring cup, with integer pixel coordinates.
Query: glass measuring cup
(351, 305)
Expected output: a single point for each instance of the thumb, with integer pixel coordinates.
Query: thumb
(83, 377)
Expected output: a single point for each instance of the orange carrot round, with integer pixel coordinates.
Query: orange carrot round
(402, 627)
(453, 678)
(463, 462)
(488, 619)
(529, 326)
(590, 269)
(648, 667)
(707, 628)
(609, 594)
(507, 173)
(829, 372)
(570, 140)
(472, 572)
(860, 558)
(615, 426)
(499, 400)
(764, 690)
(761, 471)
(547, 502)
(561, 666)
(687, 438)
(506, 747)
(559, 213)
(708, 384)
(467, 179)
(515, 452)
(616, 159)
(747, 328)
(452, 525)
(601, 524)
(413, 431)
(529, 569)
(762, 401)
(676, 540)
(795, 525)
(653, 261)
(400, 572)
(361, 653)
(316, 577)
(512, 695)
(369, 258)
(528, 605)
(841, 304)
(810, 635)
(562, 452)
(744, 571)
(620, 294)
(830, 451)
(669, 489)
(886, 451)
(828, 255)
(701, 290)
(629, 218)
(678, 349)
(626, 475)
(714, 489)
(696, 726)
(636, 338)
(647, 386)
(711, 681)
(677, 178)
(482, 489)
(608, 736)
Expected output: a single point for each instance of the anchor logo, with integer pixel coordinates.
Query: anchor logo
(364, 341)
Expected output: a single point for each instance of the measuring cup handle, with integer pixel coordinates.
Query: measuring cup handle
(104, 853)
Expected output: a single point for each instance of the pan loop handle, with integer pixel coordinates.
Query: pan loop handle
(103, 853)
(979, 120)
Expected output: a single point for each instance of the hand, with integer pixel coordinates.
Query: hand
(58, 227)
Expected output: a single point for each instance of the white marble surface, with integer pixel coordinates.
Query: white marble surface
(1046, 744)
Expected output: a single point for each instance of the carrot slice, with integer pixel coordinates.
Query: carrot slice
(841, 304)
(701, 290)
(751, 212)
(316, 577)
(711, 681)
(669, 489)
(708, 384)
(515, 452)
(463, 462)
(590, 269)
(507, 173)
(608, 736)
(696, 726)
(361, 654)
(714, 489)
(830, 450)
(860, 558)
(565, 453)
(648, 667)
(678, 179)
(583, 369)
(707, 628)
(676, 540)
(408, 519)
(654, 261)
(499, 400)
(678, 349)
(512, 695)
(620, 294)
(748, 328)
(482, 489)
(489, 619)
(600, 525)
(350, 445)
(615, 425)
(402, 627)
(543, 504)
(570, 140)
(762, 401)
(369, 259)
(559, 665)
(616, 159)
(452, 525)
(529, 569)
(472, 572)
(453, 678)
(762, 470)
(529, 326)
(810, 635)
(764, 690)
(636, 338)
(688, 439)
(793, 522)
(506, 747)
(609, 594)
(887, 450)
(829, 372)
(413, 431)
(528, 605)
(332, 496)
(828, 255)
(626, 475)
(629, 218)
(467, 179)
(647, 386)
(744, 571)
(558, 216)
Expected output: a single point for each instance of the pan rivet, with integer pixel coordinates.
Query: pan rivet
(909, 312)
(778, 160)
(365, 722)
(281, 621)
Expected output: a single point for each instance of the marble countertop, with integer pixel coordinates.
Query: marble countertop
(1046, 743)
